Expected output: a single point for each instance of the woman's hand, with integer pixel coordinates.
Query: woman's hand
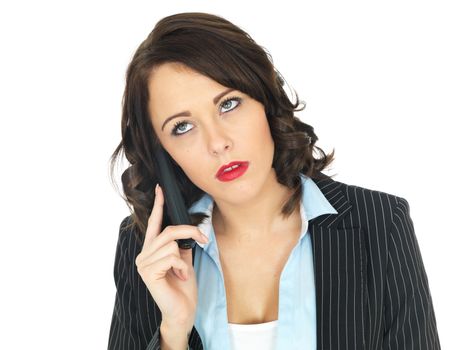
(167, 270)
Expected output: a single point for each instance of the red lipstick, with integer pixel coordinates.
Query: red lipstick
(232, 170)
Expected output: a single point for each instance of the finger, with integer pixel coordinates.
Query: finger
(179, 273)
(147, 258)
(150, 255)
(159, 269)
(168, 236)
(169, 249)
(155, 218)
(171, 233)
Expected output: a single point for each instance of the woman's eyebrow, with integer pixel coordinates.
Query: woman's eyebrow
(188, 114)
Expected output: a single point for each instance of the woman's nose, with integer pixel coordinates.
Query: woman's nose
(218, 141)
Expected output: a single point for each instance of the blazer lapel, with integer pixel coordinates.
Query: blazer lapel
(339, 256)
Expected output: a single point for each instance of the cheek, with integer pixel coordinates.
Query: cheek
(184, 160)
(190, 164)
(263, 131)
(195, 170)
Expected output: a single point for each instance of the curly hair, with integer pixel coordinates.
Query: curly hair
(220, 50)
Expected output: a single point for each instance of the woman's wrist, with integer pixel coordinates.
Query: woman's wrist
(174, 336)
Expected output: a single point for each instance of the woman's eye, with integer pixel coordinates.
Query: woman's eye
(177, 127)
(180, 127)
(228, 102)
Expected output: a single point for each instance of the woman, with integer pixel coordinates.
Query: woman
(267, 222)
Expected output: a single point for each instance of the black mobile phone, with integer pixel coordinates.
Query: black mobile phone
(173, 199)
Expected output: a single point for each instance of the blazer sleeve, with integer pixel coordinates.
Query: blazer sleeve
(409, 319)
(124, 330)
(127, 331)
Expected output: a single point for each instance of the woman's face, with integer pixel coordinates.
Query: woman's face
(215, 133)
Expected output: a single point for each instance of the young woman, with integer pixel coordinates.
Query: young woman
(285, 256)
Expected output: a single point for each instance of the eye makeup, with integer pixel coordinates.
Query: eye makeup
(177, 125)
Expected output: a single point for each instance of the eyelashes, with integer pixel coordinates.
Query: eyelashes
(177, 125)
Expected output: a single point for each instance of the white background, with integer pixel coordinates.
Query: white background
(385, 85)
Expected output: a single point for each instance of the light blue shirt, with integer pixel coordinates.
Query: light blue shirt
(297, 301)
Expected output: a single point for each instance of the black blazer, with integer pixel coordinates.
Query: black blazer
(372, 291)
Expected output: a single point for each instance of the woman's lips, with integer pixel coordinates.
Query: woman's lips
(234, 173)
(227, 166)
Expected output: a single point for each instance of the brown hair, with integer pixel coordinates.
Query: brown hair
(225, 53)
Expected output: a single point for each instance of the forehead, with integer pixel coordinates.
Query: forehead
(170, 78)
(174, 87)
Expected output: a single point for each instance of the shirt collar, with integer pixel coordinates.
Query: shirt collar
(312, 204)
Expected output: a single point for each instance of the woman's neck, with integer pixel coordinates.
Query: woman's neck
(257, 220)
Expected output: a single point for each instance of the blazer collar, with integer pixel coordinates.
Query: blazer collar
(334, 193)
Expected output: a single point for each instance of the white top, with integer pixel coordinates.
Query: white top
(260, 336)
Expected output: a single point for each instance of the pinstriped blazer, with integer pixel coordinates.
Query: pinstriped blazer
(372, 291)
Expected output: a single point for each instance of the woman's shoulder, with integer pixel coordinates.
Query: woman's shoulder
(365, 206)
(358, 194)
(128, 238)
